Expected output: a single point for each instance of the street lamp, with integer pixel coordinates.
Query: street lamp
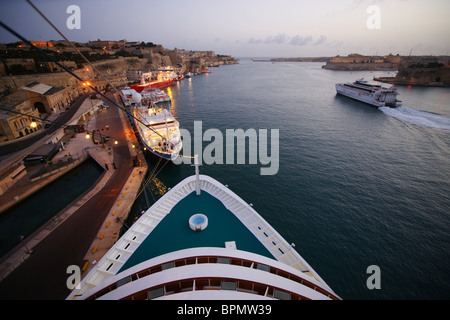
(33, 123)
(28, 250)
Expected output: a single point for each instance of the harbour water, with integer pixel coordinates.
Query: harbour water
(39, 208)
(357, 186)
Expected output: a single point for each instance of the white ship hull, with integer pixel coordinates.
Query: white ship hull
(371, 94)
(161, 258)
(157, 128)
(161, 134)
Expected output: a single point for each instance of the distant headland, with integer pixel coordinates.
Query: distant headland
(412, 70)
(299, 59)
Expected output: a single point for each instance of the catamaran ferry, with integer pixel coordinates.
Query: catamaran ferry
(372, 94)
(158, 129)
(201, 241)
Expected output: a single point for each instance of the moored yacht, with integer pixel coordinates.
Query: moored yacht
(372, 94)
(158, 129)
(154, 96)
(201, 241)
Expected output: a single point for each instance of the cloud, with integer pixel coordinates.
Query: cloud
(254, 41)
(335, 44)
(296, 40)
(300, 41)
(357, 4)
(321, 40)
(278, 39)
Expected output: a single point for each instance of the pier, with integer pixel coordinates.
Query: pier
(86, 228)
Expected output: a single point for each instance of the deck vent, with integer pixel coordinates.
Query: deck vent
(198, 222)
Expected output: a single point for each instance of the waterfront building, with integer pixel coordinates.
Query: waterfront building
(16, 125)
(48, 99)
(137, 75)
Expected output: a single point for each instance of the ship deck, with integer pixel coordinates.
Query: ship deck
(164, 230)
(173, 232)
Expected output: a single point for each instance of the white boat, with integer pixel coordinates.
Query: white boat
(201, 241)
(158, 129)
(154, 96)
(372, 94)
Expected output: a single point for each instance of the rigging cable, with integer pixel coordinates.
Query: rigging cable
(70, 43)
(62, 125)
(4, 26)
(84, 57)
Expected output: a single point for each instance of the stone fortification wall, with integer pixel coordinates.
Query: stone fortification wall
(423, 76)
(359, 66)
(58, 79)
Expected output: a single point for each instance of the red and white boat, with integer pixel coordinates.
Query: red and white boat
(166, 77)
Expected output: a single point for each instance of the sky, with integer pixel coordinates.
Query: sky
(246, 28)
